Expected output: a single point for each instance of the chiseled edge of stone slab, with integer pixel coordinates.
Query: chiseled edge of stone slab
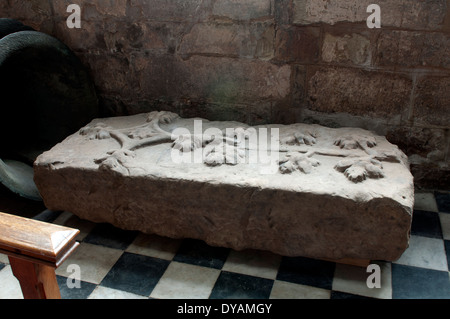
(299, 224)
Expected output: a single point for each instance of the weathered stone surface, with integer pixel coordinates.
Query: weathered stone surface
(327, 193)
(90, 38)
(156, 10)
(347, 47)
(107, 66)
(34, 13)
(236, 59)
(146, 76)
(243, 9)
(223, 79)
(413, 49)
(431, 175)
(418, 15)
(27, 9)
(298, 44)
(359, 92)
(92, 10)
(172, 10)
(220, 80)
(254, 40)
(431, 103)
(426, 143)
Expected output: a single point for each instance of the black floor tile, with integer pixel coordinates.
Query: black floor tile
(238, 286)
(197, 252)
(110, 236)
(443, 201)
(83, 292)
(307, 271)
(137, 274)
(426, 224)
(419, 283)
(47, 216)
(345, 295)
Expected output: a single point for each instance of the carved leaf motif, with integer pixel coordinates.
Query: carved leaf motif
(187, 143)
(351, 142)
(359, 169)
(162, 117)
(300, 138)
(223, 153)
(115, 161)
(356, 173)
(297, 162)
(100, 131)
(238, 135)
(214, 159)
(141, 133)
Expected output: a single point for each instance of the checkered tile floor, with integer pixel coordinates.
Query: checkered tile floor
(120, 264)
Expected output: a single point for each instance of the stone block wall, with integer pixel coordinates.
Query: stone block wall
(271, 61)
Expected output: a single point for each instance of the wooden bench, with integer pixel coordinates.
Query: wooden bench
(35, 249)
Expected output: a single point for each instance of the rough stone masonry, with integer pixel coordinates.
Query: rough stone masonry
(320, 192)
(270, 61)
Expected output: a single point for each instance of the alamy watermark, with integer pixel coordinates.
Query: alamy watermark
(374, 20)
(374, 279)
(74, 279)
(74, 20)
(214, 146)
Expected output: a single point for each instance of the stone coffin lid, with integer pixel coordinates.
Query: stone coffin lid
(292, 189)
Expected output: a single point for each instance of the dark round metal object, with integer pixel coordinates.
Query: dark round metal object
(46, 93)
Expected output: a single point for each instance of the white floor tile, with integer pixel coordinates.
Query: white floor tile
(426, 253)
(425, 201)
(254, 263)
(9, 285)
(4, 259)
(445, 225)
(154, 246)
(185, 281)
(353, 279)
(287, 290)
(109, 293)
(94, 261)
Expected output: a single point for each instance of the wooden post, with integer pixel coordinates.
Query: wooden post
(35, 249)
(37, 281)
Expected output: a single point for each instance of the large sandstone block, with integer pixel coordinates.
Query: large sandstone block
(297, 44)
(359, 92)
(253, 40)
(342, 46)
(431, 103)
(296, 190)
(243, 9)
(415, 15)
(413, 49)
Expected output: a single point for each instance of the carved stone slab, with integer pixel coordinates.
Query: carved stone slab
(296, 190)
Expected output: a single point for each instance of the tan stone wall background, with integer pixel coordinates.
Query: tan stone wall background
(265, 61)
